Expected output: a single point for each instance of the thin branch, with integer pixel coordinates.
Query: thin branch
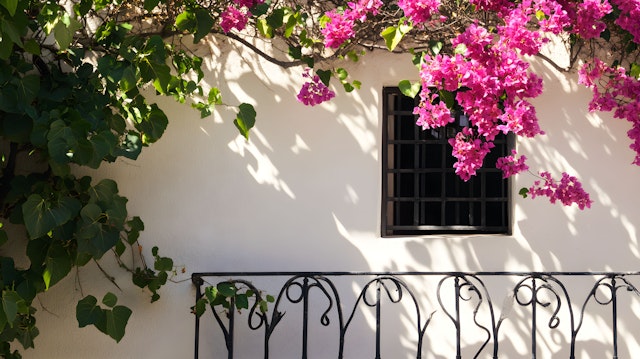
(553, 63)
(281, 63)
(45, 309)
(110, 278)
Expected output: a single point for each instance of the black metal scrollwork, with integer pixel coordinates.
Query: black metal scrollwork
(315, 290)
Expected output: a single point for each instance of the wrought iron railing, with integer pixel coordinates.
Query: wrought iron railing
(461, 300)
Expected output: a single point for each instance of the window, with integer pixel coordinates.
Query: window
(421, 194)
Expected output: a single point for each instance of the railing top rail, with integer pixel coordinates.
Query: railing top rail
(411, 273)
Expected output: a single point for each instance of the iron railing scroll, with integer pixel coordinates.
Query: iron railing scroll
(461, 298)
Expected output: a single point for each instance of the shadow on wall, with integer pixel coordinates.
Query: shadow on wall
(304, 193)
(547, 237)
(266, 204)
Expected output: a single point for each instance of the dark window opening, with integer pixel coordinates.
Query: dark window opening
(421, 192)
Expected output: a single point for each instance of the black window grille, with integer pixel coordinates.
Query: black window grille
(421, 192)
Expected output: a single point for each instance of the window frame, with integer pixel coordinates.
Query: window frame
(391, 229)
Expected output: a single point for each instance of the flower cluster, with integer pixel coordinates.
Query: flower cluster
(237, 15)
(628, 19)
(568, 190)
(589, 16)
(510, 165)
(470, 151)
(340, 26)
(233, 18)
(614, 90)
(419, 11)
(338, 30)
(314, 91)
(486, 75)
(491, 84)
(432, 113)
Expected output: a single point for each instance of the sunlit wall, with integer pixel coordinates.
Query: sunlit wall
(304, 194)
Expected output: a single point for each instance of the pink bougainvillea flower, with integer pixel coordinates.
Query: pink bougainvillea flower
(233, 18)
(338, 30)
(419, 11)
(568, 190)
(588, 23)
(510, 165)
(470, 152)
(314, 91)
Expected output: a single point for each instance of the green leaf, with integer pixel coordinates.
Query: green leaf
(153, 125)
(409, 89)
(150, 4)
(12, 31)
(242, 302)
(204, 23)
(448, 97)
(110, 300)
(342, 74)
(227, 289)
(186, 21)
(128, 80)
(389, 36)
(215, 97)
(295, 52)
(523, 192)
(64, 30)
(40, 216)
(159, 73)
(324, 75)
(12, 305)
(32, 47)
(26, 335)
(245, 119)
(27, 89)
(275, 20)
(135, 227)
(58, 264)
(10, 5)
(260, 9)
(96, 239)
(635, 70)
(393, 35)
(291, 22)
(436, 47)
(163, 264)
(461, 49)
(264, 28)
(104, 191)
(83, 7)
(200, 307)
(87, 312)
(117, 322)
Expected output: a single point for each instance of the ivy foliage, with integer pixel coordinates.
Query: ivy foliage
(74, 92)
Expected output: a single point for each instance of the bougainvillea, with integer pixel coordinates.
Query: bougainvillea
(568, 190)
(486, 76)
(233, 18)
(72, 74)
(314, 91)
(484, 72)
(510, 165)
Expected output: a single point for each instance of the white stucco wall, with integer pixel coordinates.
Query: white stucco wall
(304, 194)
